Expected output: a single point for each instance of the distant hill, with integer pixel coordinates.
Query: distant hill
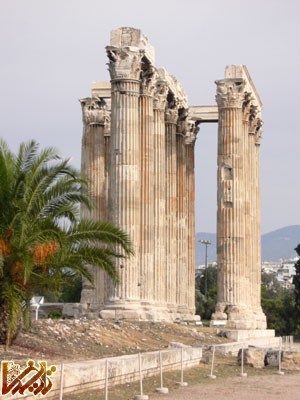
(280, 243)
(276, 245)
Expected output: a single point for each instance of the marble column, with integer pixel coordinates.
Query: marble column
(255, 131)
(247, 273)
(252, 241)
(125, 165)
(96, 121)
(231, 247)
(160, 274)
(171, 117)
(147, 149)
(190, 140)
(181, 225)
(252, 130)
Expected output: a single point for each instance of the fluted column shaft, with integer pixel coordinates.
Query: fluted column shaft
(181, 242)
(160, 277)
(255, 126)
(246, 276)
(252, 223)
(148, 271)
(231, 205)
(190, 242)
(171, 206)
(230, 210)
(94, 164)
(125, 184)
(257, 303)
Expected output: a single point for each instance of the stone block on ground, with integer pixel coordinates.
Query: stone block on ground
(252, 357)
(291, 360)
(72, 310)
(177, 345)
(272, 358)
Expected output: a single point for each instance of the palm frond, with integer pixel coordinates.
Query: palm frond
(43, 238)
(104, 232)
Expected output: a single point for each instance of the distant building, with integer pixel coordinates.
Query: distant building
(199, 270)
(284, 270)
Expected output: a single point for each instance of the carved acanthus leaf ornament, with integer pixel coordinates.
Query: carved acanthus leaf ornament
(191, 133)
(171, 115)
(230, 93)
(148, 78)
(94, 111)
(124, 62)
(160, 95)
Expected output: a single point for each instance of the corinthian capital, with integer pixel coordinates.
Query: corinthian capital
(148, 77)
(182, 124)
(124, 62)
(230, 92)
(171, 115)
(191, 133)
(255, 129)
(160, 94)
(94, 111)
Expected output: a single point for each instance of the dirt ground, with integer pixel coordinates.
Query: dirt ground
(270, 387)
(68, 340)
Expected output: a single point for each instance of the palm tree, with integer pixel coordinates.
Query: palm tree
(42, 238)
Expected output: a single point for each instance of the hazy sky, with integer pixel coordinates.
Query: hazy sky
(52, 50)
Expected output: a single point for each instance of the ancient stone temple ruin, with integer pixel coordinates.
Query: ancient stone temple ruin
(238, 220)
(138, 153)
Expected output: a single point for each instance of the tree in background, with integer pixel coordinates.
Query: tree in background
(42, 240)
(279, 309)
(296, 280)
(69, 292)
(205, 305)
(278, 303)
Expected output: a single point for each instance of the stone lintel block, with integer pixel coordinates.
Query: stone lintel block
(147, 314)
(131, 37)
(241, 324)
(103, 90)
(218, 322)
(204, 113)
(243, 334)
(121, 314)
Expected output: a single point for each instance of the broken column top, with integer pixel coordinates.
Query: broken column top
(240, 71)
(131, 37)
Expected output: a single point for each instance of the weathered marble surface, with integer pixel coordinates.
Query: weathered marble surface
(138, 152)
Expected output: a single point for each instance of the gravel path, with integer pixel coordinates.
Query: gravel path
(271, 387)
